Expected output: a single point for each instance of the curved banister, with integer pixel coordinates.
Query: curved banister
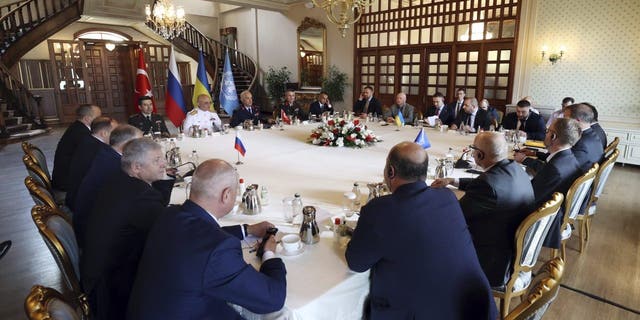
(4, 9)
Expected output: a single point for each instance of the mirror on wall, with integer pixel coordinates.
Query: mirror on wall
(312, 48)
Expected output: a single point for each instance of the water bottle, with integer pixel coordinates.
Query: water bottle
(356, 202)
(264, 196)
(296, 205)
(194, 157)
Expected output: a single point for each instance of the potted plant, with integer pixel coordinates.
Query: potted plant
(276, 81)
(335, 83)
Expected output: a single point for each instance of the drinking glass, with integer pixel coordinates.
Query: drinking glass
(287, 209)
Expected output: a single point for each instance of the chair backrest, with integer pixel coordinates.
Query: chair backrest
(36, 172)
(577, 193)
(57, 232)
(47, 303)
(530, 235)
(613, 145)
(37, 155)
(39, 193)
(603, 175)
(543, 290)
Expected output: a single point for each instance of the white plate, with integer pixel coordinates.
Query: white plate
(281, 252)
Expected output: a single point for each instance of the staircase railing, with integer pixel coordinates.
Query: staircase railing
(4, 9)
(192, 40)
(19, 97)
(29, 14)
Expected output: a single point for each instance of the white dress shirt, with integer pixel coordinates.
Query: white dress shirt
(205, 119)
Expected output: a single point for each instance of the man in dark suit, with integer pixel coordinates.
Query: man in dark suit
(105, 165)
(248, 111)
(81, 161)
(321, 105)
(192, 268)
(558, 172)
(117, 227)
(596, 126)
(146, 120)
(456, 107)
(444, 113)
(291, 107)
(416, 243)
(494, 204)
(69, 143)
(367, 103)
(473, 119)
(525, 120)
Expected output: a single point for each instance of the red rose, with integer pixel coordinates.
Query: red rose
(356, 122)
(369, 138)
(331, 123)
(335, 131)
(342, 123)
(357, 129)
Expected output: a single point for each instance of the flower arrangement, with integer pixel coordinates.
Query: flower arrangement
(343, 133)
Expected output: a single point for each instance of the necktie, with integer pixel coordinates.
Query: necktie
(249, 109)
(458, 108)
(149, 118)
(366, 107)
(472, 118)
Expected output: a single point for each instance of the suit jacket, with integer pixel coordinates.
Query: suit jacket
(446, 116)
(432, 253)
(494, 205)
(407, 112)
(242, 114)
(191, 268)
(482, 120)
(588, 150)
(534, 125)
(67, 145)
(452, 109)
(555, 176)
(156, 124)
(374, 106)
(317, 110)
(294, 110)
(105, 165)
(80, 164)
(117, 228)
(601, 134)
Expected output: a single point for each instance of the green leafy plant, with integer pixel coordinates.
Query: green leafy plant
(335, 83)
(276, 80)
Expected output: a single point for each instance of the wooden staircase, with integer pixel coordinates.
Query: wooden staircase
(23, 24)
(243, 67)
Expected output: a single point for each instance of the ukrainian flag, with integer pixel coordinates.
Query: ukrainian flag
(399, 119)
(202, 84)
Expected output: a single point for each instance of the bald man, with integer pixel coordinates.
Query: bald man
(418, 247)
(401, 106)
(494, 204)
(192, 268)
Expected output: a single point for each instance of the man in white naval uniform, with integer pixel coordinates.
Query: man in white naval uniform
(201, 116)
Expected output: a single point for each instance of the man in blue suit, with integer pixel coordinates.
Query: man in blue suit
(192, 268)
(417, 245)
(321, 105)
(494, 204)
(105, 165)
(557, 172)
(444, 112)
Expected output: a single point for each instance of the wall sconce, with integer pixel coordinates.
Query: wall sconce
(553, 57)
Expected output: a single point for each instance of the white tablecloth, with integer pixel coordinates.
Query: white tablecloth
(319, 283)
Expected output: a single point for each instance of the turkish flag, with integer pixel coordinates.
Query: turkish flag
(143, 85)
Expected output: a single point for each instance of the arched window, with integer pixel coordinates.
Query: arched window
(101, 34)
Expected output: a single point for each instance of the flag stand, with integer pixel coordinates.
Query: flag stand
(239, 162)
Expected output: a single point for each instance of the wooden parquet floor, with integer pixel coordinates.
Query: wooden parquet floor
(608, 270)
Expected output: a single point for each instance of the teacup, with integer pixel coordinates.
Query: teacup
(290, 242)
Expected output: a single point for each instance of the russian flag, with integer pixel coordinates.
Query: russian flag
(238, 145)
(174, 100)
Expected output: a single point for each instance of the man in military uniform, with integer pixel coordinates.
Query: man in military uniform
(202, 117)
(248, 111)
(146, 120)
(291, 107)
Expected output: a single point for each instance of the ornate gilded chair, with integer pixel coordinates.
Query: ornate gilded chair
(577, 193)
(37, 155)
(528, 243)
(544, 289)
(599, 182)
(34, 170)
(57, 232)
(613, 145)
(47, 303)
(40, 194)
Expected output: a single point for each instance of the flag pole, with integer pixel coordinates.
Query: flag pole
(239, 162)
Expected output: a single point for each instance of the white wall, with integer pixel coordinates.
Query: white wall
(603, 55)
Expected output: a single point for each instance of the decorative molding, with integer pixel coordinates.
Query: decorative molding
(310, 23)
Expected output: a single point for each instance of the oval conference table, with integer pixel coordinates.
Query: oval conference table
(319, 282)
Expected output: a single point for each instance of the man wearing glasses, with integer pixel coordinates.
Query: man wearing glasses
(494, 204)
(202, 116)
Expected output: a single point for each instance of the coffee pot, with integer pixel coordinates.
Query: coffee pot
(174, 159)
(377, 190)
(251, 201)
(195, 131)
(309, 231)
(444, 168)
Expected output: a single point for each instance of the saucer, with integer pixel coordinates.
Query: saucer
(280, 250)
